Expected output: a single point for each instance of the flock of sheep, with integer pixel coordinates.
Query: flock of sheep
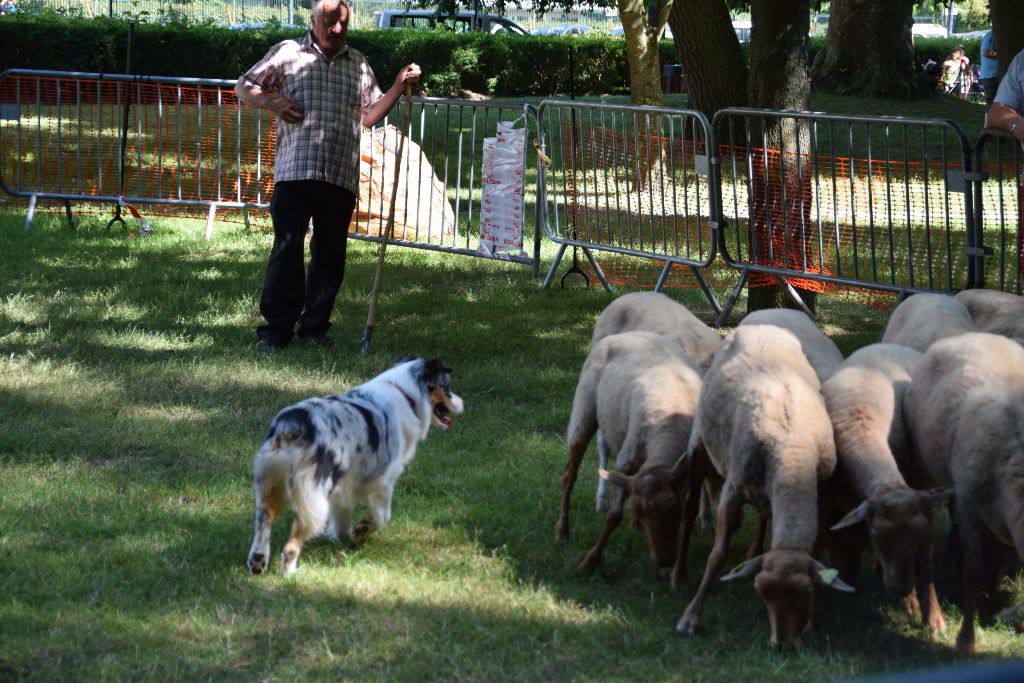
(833, 453)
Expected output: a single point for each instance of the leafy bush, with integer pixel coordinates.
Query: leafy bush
(500, 65)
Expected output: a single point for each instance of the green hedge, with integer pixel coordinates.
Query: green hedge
(496, 65)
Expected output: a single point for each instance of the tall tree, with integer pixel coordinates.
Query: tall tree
(1008, 29)
(780, 182)
(642, 26)
(869, 51)
(710, 54)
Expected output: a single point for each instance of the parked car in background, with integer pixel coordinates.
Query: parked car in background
(620, 32)
(742, 28)
(929, 31)
(570, 30)
(460, 22)
(260, 25)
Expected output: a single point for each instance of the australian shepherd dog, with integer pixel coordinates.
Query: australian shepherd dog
(323, 456)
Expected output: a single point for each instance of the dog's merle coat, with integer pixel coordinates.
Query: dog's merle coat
(322, 456)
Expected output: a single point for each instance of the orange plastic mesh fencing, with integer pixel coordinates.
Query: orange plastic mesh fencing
(185, 142)
(867, 219)
(635, 190)
(190, 145)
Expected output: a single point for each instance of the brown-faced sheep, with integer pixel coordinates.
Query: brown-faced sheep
(762, 425)
(994, 311)
(922, 319)
(965, 416)
(864, 399)
(652, 312)
(641, 391)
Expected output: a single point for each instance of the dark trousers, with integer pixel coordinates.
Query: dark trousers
(290, 293)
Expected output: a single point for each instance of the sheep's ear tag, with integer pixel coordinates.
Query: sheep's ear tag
(828, 576)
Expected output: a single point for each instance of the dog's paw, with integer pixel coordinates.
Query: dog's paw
(257, 563)
(363, 529)
(289, 562)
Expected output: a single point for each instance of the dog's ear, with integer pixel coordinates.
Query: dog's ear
(435, 373)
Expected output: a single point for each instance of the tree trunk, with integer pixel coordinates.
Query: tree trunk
(868, 51)
(710, 53)
(1008, 29)
(780, 183)
(642, 51)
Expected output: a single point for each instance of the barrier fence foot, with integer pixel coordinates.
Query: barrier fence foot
(554, 267)
(597, 269)
(712, 299)
(209, 221)
(795, 295)
(31, 212)
(733, 296)
(67, 210)
(116, 219)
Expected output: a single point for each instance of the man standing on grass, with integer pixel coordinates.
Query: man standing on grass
(323, 93)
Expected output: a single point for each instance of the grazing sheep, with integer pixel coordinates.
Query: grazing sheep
(762, 424)
(864, 399)
(964, 412)
(923, 319)
(652, 312)
(641, 391)
(656, 312)
(822, 353)
(994, 311)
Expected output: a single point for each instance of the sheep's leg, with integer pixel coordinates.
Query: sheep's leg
(730, 515)
(699, 468)
(970, 555)
(994, 565)
(924, 595)
(602, 484)
(757, 544)
(580, 432)
(846, 550)
(611, 523)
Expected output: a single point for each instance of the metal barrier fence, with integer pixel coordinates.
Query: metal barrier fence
(876, 202)
(882, 203)
(630, 180)
(999, 212)
(179, 142)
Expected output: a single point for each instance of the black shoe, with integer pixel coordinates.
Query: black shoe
(269, 345)
(320, 341)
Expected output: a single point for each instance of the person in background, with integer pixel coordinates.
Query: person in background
(988, 75)
(966, 76)
(1008, 106)
(951, 66)
(323, 93)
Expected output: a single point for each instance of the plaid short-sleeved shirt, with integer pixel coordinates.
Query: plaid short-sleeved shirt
(334, 94)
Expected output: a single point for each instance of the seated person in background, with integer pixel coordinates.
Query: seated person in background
(1008, 107)
(951, 71)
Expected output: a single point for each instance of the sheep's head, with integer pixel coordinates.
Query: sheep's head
(656, 497)
(785, 580)
(900, 522)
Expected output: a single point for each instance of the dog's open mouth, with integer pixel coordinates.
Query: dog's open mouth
(442, 414)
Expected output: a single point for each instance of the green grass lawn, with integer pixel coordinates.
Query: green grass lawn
(132, 401)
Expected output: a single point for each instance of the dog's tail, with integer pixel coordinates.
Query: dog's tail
(286, 462)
